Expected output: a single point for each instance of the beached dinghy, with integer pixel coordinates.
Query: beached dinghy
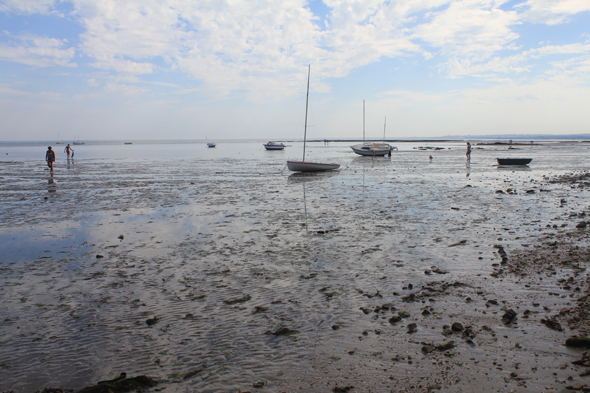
(372, 149)
(210, 144)
(514, 161)
(274, 146)
(308, 166)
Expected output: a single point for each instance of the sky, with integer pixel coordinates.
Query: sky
(237, 69)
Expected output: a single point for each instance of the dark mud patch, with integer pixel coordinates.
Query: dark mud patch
(562, 259)
(121, 384)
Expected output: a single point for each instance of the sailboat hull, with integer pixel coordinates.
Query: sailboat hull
(372, 150)
(306, 166)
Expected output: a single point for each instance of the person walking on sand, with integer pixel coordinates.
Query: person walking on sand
(50, 158)
(468, 154)
(67, 150)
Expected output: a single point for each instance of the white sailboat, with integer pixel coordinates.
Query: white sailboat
(308, 166)
(373, 148)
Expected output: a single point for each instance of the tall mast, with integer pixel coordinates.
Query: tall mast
(384, 123)
(363, 122)
(306, 104)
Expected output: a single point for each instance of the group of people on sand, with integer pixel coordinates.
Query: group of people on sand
(50, 155)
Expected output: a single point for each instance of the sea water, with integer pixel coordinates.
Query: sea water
(224, 245)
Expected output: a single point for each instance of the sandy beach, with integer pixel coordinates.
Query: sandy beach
(221, 270)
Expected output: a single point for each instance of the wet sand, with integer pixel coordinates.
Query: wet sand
(183, 270)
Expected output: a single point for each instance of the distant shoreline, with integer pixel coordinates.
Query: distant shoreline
(473, 140)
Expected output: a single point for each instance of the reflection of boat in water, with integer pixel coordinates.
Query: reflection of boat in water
(274, 146)
(377, 162)
(374, 148)
(310, 176)
(211, 144)
(514, 168)
(308, 166)
(514, 161)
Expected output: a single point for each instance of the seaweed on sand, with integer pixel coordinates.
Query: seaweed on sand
(121, 384)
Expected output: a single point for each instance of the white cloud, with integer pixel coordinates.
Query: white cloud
(125, 66)
(553, 12)
(474, 30)
(27, 6)
(523, 61)
(124, 90)
(260, 47)
(9, 91)
(37, 51)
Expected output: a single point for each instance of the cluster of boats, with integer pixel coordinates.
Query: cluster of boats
(364, 149)
(374, 149)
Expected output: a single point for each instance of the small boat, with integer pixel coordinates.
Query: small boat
(375, 148)
(128, 143)
(274, 146)
(372, 149)
(308, 166)
(77, 142)
(514, 161)
(211, 144)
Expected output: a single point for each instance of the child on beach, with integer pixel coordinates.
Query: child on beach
(50, 158)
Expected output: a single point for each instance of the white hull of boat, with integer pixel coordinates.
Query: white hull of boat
(372, 150)
(306, 166)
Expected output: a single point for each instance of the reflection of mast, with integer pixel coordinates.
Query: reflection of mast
(305, 208)
(363, 193)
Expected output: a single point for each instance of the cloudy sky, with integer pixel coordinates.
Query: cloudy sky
(190, 69)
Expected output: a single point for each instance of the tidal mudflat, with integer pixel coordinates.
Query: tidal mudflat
(228, 273)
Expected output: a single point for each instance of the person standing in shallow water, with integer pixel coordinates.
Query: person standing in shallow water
(468, 154)
(50, 158)
(67, 151)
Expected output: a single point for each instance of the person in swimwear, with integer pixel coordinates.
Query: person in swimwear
(67, 150)
(50, 158)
